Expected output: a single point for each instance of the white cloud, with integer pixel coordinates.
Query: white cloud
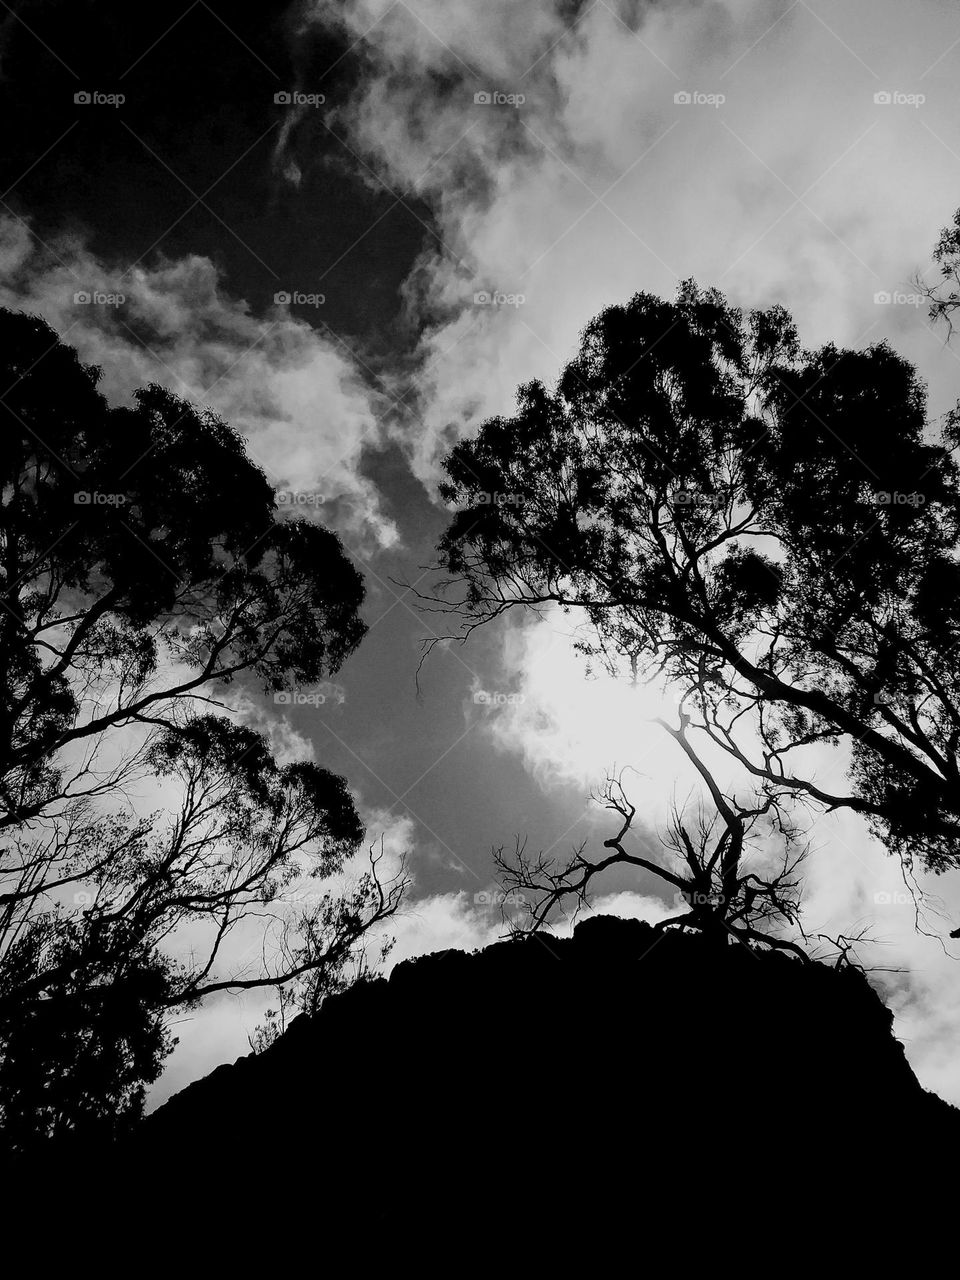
(286, 743)
(600, 185)
(298, 401)
(573, 728)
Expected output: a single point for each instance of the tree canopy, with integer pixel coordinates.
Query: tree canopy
(144, 570)
(772, 530)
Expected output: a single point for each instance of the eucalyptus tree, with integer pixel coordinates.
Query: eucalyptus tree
(771, 531)
(143, 571)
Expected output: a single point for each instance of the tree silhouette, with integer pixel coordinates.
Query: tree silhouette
(84, 1035)
(766, 528)
(944, 296)
(733, 868)
(144, 569)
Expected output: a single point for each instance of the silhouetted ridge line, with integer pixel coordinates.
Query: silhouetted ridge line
(616, 1073)
(615, 986)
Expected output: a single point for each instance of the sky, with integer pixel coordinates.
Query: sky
(354, 228)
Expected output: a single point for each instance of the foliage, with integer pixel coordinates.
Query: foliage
(769, 529)
(144, 570)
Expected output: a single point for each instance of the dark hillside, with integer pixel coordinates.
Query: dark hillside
(595, 1075)
(614, 1084)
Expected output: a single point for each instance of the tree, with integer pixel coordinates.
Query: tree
(136, 543)
(733, 869)
(85, 1036)
(944, 296)
(767, 528)
(144, 569)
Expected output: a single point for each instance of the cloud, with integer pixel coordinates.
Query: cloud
(440, 922)
(286, 743)
(798, 188)
(571, 725)
(302, 407)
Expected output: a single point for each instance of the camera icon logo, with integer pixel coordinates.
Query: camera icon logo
(883, 298)
(283, 98)
(82, 98)
(82, 498)
(282, 299)
(283, 698)
(482, 298)
(683, 98)
(81, 299)
(482, 99)
(883, 98)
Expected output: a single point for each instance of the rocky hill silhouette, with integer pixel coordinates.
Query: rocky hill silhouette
(543, 1077)
(615, 1080)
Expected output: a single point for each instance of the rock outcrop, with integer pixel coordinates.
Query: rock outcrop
(543, 1084)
